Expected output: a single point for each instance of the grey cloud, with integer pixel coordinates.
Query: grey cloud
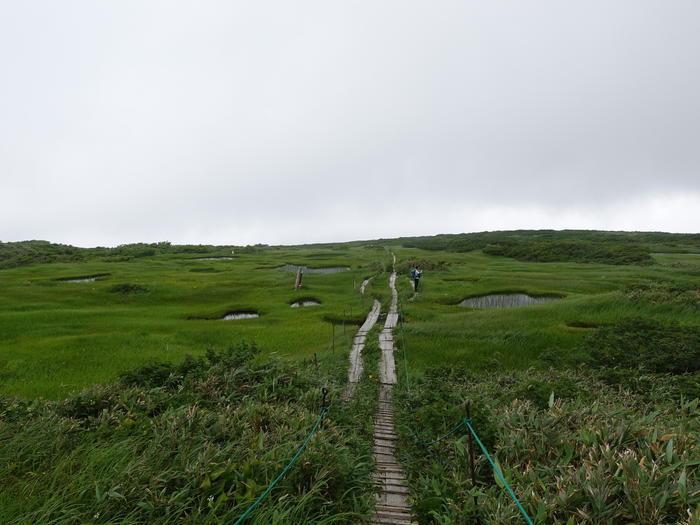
(316, 121)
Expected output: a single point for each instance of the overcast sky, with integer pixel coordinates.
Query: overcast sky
(286, 122)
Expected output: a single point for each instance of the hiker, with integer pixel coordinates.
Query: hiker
(415, 275)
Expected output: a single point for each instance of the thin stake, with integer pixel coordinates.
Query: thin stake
(324, 391)
(468, 408)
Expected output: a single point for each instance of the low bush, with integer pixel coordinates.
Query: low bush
(591, 454)
(195, 442)
(647, 345)
(127, 289)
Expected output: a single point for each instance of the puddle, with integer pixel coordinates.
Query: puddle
(214, 259)
(232, 316)
(313, 271)
(307, 302)
(508, 300)
(82, 279)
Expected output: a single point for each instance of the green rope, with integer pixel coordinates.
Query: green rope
(497, 470)
(286, 469)
(467, 423)
(455, 429)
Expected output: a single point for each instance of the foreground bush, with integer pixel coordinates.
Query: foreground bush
(591, 454)
(195, 442)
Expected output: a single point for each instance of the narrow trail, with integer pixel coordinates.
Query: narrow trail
(392, 502)
(358, 344)
(364, 285)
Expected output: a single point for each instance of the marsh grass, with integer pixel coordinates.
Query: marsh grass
(59, 337)
(194, 442)
(573, 449)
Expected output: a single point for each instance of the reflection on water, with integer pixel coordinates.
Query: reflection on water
(304, 303)
(312, 271)
(214, 259)
(240, 315)
(509, 300)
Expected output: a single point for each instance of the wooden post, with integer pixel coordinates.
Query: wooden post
(324, 390)
(333, 335)
(468, 409)
(300, 274)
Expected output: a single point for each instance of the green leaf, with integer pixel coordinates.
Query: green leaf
(206, 483)
(551, 399)
(496, 477)
(669, 450)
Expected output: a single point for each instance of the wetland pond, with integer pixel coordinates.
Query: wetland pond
(313, 271)
(233, 316)
(307, 302)
(214, 259)
(505, 300)
(82, 278)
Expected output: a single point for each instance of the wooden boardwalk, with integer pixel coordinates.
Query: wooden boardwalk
(356, 364)
(392, 502)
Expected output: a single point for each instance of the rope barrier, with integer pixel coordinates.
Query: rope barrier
(467, 423)
(262, 496)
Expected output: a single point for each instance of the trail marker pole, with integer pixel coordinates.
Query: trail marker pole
(316, 361)
(333, 336)
(300, 274)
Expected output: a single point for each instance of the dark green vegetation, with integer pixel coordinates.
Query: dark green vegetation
(573, 251)
(587, 402)
(195, 442)
(574, 450)
(562, 246)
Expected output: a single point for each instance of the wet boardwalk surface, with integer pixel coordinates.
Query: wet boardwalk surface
(392, 502)
(356, 364)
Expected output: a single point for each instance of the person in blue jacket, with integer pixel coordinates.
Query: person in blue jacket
(415, 275)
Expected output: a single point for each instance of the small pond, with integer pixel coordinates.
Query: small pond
(314, 271)
(232, 316)
(82, 278)
(307, 302)
(214, 259)
(506, 300)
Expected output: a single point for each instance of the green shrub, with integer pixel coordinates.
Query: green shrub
(128, 289)
(646, 345)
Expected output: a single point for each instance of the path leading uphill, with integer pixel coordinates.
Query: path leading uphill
(392, 502)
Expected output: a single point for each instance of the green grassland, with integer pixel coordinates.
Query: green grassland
(439, 331)
(582, 438)
(58, 336)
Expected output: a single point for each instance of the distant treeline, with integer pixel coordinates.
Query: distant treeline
(586, 246)
(14, 254)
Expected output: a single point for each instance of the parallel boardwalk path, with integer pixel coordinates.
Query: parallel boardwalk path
(392, 503)
(356, 365)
